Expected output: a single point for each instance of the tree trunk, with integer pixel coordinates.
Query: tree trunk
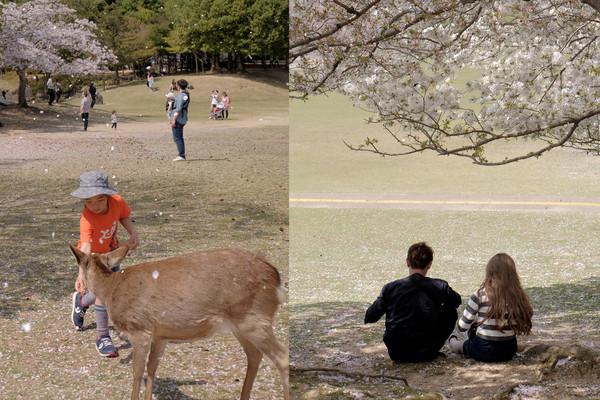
(117, 77)
(230, 64)
(215, 62)
(242, 67)
(22, 88)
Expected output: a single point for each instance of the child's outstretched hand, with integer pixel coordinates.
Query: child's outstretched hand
(79, 285)
(133, 242)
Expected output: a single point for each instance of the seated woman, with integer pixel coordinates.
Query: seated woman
(500, 310)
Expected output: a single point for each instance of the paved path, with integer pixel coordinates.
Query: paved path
(446, 202)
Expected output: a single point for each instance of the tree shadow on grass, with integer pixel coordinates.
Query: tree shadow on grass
(572, 307)
(24, 285)
(333, 353)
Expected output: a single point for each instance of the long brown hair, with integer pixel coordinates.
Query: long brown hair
(506, 296)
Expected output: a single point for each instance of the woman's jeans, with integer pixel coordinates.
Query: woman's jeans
(490, 351)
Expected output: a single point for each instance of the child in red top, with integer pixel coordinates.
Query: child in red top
(104, 210)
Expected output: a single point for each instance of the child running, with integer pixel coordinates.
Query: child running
(500, 308)
(103, 211)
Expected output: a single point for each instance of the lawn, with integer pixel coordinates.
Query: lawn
(320, 162)
(341, 257)
(232, 192)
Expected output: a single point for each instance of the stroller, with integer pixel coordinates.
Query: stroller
(218, 111)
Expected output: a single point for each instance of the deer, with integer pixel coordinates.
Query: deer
(187, 298)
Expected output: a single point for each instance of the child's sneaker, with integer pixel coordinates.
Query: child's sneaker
(105, 346)
(78, 311)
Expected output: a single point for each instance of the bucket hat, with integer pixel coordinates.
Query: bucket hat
(93, 183)
(171, 95)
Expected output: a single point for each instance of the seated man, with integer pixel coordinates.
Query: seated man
(420, 311)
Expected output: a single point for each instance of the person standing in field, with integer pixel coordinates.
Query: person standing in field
(180, 117)
(84, 110)
(92, 94)
(226, 101)
(50, 90)
(150, 81)
(214, 100)
(114, 119)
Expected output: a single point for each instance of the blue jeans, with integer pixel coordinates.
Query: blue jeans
(178, 138)
(489, 351)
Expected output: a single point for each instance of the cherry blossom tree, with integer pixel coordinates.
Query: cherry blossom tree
(538, 76)
(46, 35)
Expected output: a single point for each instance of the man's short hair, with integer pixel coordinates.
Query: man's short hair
(182, 83)
(420, 255)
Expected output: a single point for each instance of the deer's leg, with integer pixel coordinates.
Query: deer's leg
(156, 352)
(254, 357)
(260, 333)
(141, 347)
(280, 357)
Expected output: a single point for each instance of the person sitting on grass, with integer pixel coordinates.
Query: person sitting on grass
(499, 309)
(420, 311)
(104, 210)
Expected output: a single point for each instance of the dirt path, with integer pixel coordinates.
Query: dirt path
(445, 202)
(232, 192)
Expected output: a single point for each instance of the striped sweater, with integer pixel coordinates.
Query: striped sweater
(475, 311)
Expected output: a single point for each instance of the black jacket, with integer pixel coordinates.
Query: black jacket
(420, 315)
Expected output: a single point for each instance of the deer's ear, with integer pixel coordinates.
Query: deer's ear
(80, 256)
(115, 257)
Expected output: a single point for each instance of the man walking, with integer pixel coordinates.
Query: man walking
(420, 311)
(180, 116)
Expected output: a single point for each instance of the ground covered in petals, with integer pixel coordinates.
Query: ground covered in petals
(231, 192)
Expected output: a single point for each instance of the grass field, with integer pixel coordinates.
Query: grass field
(320, 162)
(232, 191)
(341, 257)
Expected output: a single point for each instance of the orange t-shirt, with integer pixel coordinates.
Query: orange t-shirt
(101, 229)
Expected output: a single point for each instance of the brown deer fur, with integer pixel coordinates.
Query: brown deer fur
(187, 298)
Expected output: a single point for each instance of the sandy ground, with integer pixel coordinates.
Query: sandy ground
(226, 160)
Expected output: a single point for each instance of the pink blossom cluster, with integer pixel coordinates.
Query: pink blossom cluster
(46, 35)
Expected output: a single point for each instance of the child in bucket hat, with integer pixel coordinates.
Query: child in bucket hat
(104, 210)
